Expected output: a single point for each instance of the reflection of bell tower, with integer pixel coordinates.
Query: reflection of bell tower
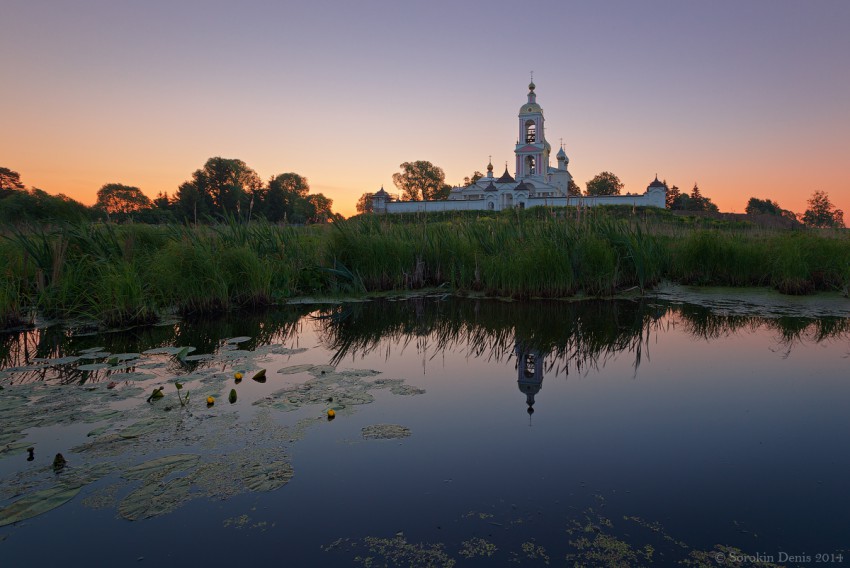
(529, 372)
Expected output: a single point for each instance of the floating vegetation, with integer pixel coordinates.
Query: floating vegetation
(477, 547)
(385, 432)
(37, 503)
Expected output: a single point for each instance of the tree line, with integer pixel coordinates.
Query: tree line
(422, 180)
(222, 189)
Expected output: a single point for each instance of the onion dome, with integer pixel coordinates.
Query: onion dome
(490, 167)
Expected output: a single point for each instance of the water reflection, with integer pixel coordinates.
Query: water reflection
(543, 338)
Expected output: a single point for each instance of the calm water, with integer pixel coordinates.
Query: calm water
(610, 433)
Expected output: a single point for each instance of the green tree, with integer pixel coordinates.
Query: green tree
(573, 189)
(697, 202)
(757, 206)
(222, 187)
(421, 180)
(121, 200)
(673, 199)
(605, 183)
(364, 204)
(476, 175)
(9, 181)
(822, 213)
(37, 205)
(320, 208)
(284, 199)
(162, 201)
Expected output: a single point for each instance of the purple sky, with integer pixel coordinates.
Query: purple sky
(745, 98)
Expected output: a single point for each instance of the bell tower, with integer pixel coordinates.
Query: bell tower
(532, 150)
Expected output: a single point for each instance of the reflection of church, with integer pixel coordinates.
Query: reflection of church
(529, 372)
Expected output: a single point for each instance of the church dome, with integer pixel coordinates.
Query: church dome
(381, 193)
(530, 107)
(656, 183)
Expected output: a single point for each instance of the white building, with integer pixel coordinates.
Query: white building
(535, 183)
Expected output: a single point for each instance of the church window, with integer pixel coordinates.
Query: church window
(530, 132)
(530, 165)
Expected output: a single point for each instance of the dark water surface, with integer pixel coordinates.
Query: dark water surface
(599, 433)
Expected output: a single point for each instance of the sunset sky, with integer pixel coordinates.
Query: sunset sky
(745, 98)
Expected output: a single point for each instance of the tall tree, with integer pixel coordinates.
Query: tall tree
(121, 200)
(476, 175)
(9, 181)
(364, 204)
(673, 199)
(320, 208)
(757, 206)
(228, 186)
(573, 189)
(284, 198)
(822, 213)
(421, 180)
(697, 202)
(604, 183)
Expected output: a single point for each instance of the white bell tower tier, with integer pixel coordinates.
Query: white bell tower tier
(532, 150)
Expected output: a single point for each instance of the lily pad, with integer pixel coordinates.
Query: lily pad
(154, 499)
(295, 369)
(139, 428)
(385, 432)
(235, 340)
(93, 367)
(37, 503)
(162, 466)
(201, 357)
(266, 476)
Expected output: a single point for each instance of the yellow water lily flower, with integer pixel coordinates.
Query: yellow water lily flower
(210, 400)
(237, 375)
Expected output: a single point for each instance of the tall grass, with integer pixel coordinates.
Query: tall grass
(120, 274)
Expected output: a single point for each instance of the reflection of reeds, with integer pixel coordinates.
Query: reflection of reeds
(205, 334)
(577, 335)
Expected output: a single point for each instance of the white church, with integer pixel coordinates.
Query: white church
(536, 182)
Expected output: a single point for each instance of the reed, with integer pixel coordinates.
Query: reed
(124, 274)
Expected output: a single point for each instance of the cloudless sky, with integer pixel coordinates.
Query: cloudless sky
(745, 98)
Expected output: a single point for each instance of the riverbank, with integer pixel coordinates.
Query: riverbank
(131, 274)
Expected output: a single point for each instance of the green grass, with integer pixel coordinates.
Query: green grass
(126, 274)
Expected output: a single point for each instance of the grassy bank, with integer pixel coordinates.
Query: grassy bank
(122, 274)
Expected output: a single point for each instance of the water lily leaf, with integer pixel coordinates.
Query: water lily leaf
(162, 466)
(234, 340)
(260, 376)
(139, 428)
(202, 357)
(295, 369)
(90, 350)
(384, 432)
(63, 360)
(168, 350)
(37, 503)
(266, 476)
(232, 397)
(13, 448)
(93, 367)
(181, 354)
(154, 499)
(126, 356)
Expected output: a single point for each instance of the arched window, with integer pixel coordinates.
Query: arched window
(530, 132)
(530, 168)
